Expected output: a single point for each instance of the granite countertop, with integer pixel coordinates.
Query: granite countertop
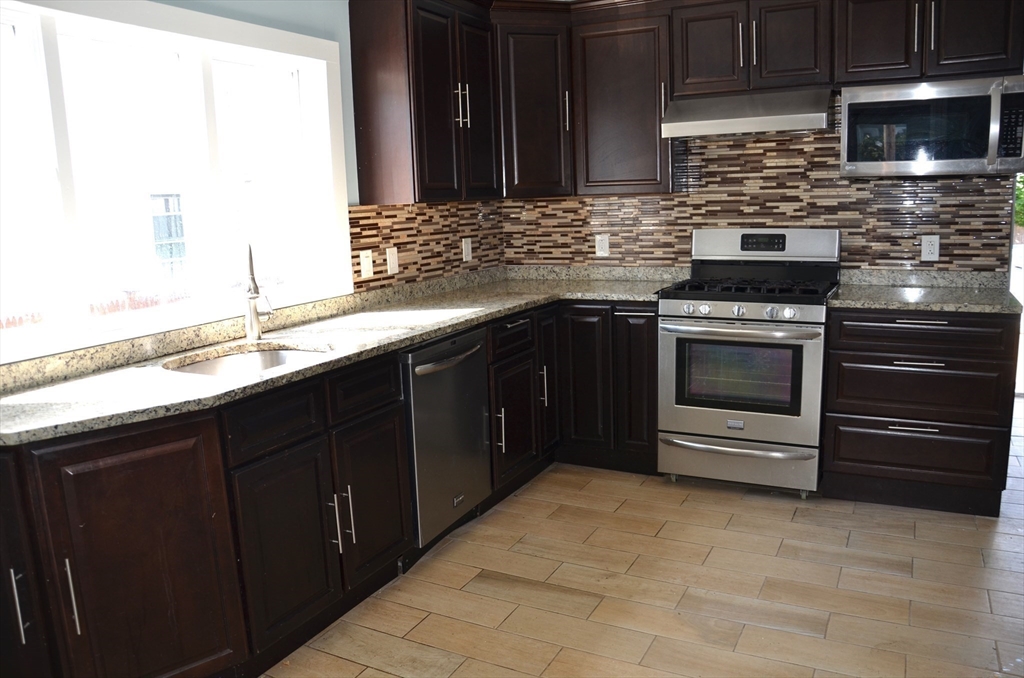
(147, 390)
(947, 299)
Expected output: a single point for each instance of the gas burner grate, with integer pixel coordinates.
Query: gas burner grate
(743, 286)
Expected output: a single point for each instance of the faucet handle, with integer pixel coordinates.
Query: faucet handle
(263, 306)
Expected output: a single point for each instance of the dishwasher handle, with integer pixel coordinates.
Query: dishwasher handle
(430, 368)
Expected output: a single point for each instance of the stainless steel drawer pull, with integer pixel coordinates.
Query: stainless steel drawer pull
(430, 368)
(544, 374)
(566, 110)
(913, 364)
(663, 109)
(458, 95)
(337, 521)
(741, 451)
(517, 323)
(502, 443)
(741, 44)
(917, 28)
(637, 315)
(74, 605)
(351, 514)
(17, 607)
(753, 38)
(468, 125)
(912, 428)
(922, 322)
(933, 25)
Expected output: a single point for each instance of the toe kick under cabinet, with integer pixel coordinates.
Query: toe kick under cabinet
(919, 408)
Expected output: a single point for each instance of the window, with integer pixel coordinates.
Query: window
(140, 157)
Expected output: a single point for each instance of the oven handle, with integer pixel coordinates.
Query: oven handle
(729, 333)
(739, 451)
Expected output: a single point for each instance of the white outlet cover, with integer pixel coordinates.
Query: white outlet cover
(366, 264)
(929, 248)
(601, 244)
(392, 254)
(467, 249)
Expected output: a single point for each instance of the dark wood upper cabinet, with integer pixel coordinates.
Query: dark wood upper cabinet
(585, 374)
(967, 36)
(548, 422)
(878, 39)
(791, 43)
(620, 81)
(709, 51)
(480, 130)
(513, 415)
(136, 543)
(534, 71)
(635, 346)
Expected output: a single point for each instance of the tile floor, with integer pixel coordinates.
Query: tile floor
(587, 572)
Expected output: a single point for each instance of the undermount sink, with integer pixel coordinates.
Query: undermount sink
(245, 359)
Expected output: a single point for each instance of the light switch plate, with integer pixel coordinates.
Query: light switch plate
(601, 244)
(366, 264)
(392, 253)
(467, 249)
(929, 248)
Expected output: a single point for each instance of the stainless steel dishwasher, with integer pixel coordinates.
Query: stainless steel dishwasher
(448, 423)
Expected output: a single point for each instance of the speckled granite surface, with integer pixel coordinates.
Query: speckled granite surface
(148, 391)
(924, 278)
(954, 299)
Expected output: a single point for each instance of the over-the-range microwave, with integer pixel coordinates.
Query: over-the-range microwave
(933, 128)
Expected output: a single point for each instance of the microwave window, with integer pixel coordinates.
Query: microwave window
(921, 131)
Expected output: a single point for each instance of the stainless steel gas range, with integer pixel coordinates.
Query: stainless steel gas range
(741, 356)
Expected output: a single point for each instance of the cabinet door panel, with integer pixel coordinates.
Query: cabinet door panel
(138, 545)
(273, 421)
(636, 370)
(585, 371)
(878, 39)
(480, 130)
(513, 412)
(286, 524)
(372, 462)
(967, 37)
(707, 48)
(535, 89)
(435, 80)
(619, 80)
(547, 366)
(792, 42)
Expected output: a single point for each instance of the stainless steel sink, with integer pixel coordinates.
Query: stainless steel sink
(245, 359)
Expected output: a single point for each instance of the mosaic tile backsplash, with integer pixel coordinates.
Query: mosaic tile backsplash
(782, 179)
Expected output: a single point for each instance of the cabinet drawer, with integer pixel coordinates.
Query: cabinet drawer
(921, 387)
(363, 387)
(508, 337)
(974, 335)
(970, 456)
(272, 421)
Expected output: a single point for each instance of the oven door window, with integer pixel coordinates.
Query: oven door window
(750, 377)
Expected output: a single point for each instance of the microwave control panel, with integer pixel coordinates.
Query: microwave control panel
(1011, 125)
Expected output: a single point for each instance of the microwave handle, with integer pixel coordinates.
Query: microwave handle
(995, 122)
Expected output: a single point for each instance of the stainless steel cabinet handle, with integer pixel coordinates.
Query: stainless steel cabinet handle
(337, 521)
(517, 323)
(566, 110)
(74, 605)
(663, 99)
(740, 451)
(917, 27)
(901, 321)
(502, 443)
(430, 368)
(351, 514)
(466, 91)
(933, 25)
(912, 428)
(17, 607)
(753, 39)
(637, 315)
(740, 333)
(913, 364)
(544, 373)
(741, 44)
(458, 95)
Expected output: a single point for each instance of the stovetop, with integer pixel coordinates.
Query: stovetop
(810, 292)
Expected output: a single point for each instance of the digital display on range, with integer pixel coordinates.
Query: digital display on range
(763, 242)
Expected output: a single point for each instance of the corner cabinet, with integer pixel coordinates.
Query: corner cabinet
(620, 86)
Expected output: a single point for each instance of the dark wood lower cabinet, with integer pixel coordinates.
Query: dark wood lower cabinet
(548, 424)
(137, 552)
(636, 379)
(586, 374)
(288, 537)
(513, 412)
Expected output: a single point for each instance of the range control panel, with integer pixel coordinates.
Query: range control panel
(763, 242)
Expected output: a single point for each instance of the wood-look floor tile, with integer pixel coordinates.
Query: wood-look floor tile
(1000, 524)
(676, 624)
(781, 568)
(650, 546)
(386, 653)
(1013, 510)
(385, 616)
(541, 527)
(443, 572)
(738, 505)
(983, 539)
(950, 595)
(442, 600)
(704, 488)
(883, 608)
(949, 647)
(922, 667)
(479, 533)
(789, 530)
(534, 508)
(846, 557)
(559, 481)
(570, 498)
(1013, 497)
(1007, 604)
(473, 668)
(794, 648)
(701, 661)
(822, 673)
(1004, 560)
(570, 552)
(600, 473)
(792, 498)
(627, 587)
(371, 672)
(709, 536)
(613, 521)
(575, 664)
(916, 548)
(680, 514)
(587, 636)
(1011, 658)
(542, 595)
(486, 558)
(918, 515)
(753, 611)
(965, 575)
(898, 527)
(675, 572)
(306, 662)
(654, 495)
(487, 645)
(967, 622)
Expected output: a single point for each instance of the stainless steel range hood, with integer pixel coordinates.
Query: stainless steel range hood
(761, 112)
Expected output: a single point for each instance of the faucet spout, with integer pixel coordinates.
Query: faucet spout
(253, 320)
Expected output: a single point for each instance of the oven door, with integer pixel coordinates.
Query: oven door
(746, 381)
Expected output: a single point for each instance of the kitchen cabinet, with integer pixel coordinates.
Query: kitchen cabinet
(635, 397)
(585, 374)
(135, 536)
(513, 416)
(886, 39)
(548, 423)
(533, 63)
(24, 645)
(620, 81)
(918, 408)
(273, 421)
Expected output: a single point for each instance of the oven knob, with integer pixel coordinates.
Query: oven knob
(771, 313)
(688, 309)
(704, 309)
(738, 310)
(789, 313)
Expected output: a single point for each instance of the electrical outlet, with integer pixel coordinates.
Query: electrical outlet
(467, 249)
(601, 244)
(392, 253)
(366, 264)
(929, 248)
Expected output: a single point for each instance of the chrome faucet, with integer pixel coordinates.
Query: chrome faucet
(253, 319)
